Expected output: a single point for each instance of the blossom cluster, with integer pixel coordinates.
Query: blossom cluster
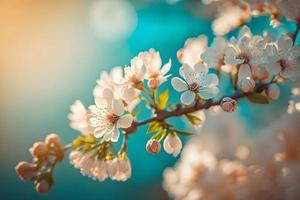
(232, 14)
(45, 156)
(256, 66)
(265, 166)
(250, 60)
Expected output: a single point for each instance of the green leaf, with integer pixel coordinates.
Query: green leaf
(153, 127)
(183, 133)
(163, 99)
(258, 98)
(193, 119)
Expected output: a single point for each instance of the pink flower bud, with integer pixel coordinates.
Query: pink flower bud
(153, 146)
(39, 150)
(273, 91)
(25, 170)
(228, 104)
(52, 139)
(153, 83)
(246, 84)
(42, 186)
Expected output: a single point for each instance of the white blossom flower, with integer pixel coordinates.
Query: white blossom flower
(134, 78)
(196, 81)
(119, 168)
(214, 55)
(246, 53)
(112, 81)
(230, 17)
(172, 144)
(154, 73)
(78, 118)
(282, 58)
(89, 165)
(117, 83)
(192, 50)
(107, 116)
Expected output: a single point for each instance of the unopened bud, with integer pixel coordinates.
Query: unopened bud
(39, 150)
(42, 186)
(25, 170)
(228, 104)
(273, 91)
(246, 84)
(153, 146)
(52, 139)
(153, 83)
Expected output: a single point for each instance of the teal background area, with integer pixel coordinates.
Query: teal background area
(30, 116)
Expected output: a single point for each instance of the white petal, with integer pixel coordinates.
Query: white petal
(168, 148)
(117, 107)
(178, 84)
(125, 121)
(128, 94)
(292, 73)
(185, 70)
(108, 94)
(296, 51)
(201, 69)
(101, 102)
(166, 68)
(115, 135)
(285, 43)
(273, 68)
(211, 79)
(208, 92)
(109, 133)
(187, 97)
(99, 132)
(172, 144)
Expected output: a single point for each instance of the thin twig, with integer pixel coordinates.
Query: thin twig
(163, 115)
(296, 33)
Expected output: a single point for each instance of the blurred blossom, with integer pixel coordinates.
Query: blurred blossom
(223, 163)
(230, 17)
(113, 19)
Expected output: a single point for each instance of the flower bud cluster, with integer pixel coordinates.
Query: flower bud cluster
(45, 156)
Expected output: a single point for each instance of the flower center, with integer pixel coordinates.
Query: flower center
(244, 56)
(134, 80)
(193, 87)
(112, 118)
(283, 63)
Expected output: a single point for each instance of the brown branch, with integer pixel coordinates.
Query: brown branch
(163, 115)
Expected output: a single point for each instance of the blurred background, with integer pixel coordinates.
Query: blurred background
(52, 52)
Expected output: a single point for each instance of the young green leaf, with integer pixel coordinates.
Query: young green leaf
(183, 133)
(258, 98)
(153, 127)
(193, 119)
(161, 133)
(163, 99)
